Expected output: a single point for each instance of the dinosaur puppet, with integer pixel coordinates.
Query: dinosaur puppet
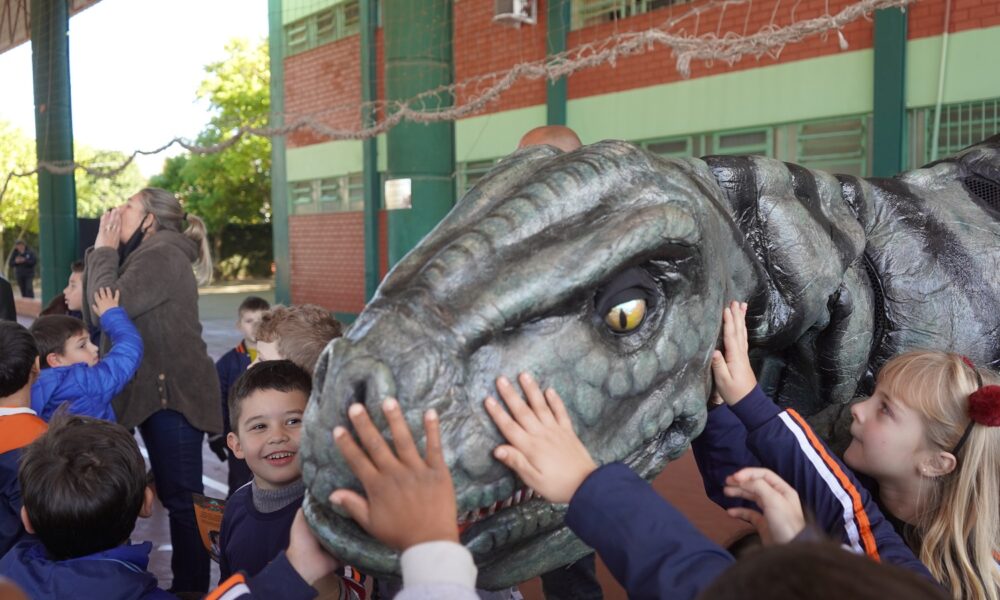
(604, 271)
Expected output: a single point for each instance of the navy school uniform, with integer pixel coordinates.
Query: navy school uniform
(233, 364)
(756, 432)
(249, 539)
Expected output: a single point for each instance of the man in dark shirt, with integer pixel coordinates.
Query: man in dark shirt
(23, 260)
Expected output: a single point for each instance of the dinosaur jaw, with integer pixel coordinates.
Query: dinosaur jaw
(514, 543)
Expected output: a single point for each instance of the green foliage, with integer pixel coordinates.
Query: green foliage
(232, 186)
(19, 206)
(94, 194)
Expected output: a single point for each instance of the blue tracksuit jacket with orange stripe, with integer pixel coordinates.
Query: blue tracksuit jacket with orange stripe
(756, 432)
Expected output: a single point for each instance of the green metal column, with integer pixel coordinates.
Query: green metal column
(889, 119)
(373, 184)
(418, 58)
(279, 172)
(57, 224)
(558, 27)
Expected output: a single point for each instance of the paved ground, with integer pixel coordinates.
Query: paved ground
(680, 482)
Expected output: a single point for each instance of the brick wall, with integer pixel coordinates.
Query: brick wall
(328, 259)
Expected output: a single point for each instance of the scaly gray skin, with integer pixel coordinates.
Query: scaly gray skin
(840, 273)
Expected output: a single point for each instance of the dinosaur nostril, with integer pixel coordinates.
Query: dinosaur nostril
(358, 393)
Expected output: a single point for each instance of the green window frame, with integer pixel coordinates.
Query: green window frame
(961, 126)
(673, 146)
(585, 13)
(469, 173)
(322, 27)
(338, 193)
(834, 145)
(759, 141)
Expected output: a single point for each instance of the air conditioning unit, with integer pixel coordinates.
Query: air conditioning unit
(515, 12)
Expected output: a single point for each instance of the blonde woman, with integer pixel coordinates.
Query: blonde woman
(156, 254)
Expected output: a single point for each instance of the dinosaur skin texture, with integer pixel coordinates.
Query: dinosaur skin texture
(840, 273)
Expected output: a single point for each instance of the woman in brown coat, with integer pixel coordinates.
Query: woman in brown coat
(156, 254)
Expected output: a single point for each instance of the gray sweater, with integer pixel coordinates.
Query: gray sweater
(160, 295)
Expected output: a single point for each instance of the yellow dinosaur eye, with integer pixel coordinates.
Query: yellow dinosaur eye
(626, 316)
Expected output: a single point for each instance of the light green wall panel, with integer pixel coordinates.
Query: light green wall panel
(293, 10)
(328, 159)
(801, 90)
(971, 72)
(497, 134)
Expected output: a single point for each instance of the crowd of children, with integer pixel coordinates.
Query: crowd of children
(912, 509)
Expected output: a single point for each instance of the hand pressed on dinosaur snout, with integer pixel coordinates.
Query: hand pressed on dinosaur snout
(542, 447)
(782, 517)
(408, 499)
(734, 377)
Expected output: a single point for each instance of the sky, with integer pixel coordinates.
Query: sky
(135, 66)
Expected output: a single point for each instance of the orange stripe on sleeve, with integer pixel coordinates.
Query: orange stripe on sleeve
(864, 525)
(220, 592)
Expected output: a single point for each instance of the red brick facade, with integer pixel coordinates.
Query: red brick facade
(327, 251)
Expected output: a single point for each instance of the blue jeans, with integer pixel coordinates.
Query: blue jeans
(175, 454)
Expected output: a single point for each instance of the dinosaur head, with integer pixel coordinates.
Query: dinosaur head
(599, 272)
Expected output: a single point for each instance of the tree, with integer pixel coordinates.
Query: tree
(232, 186)
(95, 194)
(19, 205)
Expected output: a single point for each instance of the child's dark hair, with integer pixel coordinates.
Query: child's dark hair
(819, 571)
(76, 267)
(83, 484)
(280, 375)
(51, 333)
(18, 352)
(253, 304)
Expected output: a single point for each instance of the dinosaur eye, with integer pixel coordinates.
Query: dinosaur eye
(627, 316)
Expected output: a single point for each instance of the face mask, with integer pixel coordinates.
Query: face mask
(133, 242)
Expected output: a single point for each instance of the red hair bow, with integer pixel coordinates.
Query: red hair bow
(984, 406)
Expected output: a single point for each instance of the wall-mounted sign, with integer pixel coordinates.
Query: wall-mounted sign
(398, 194)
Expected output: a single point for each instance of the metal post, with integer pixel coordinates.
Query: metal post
(57, 247)
(418, 58)
(279, 173)
(889, 119)
(558, 27)
(372, 181)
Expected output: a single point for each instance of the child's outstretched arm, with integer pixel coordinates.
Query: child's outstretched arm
(650, 548)
(95, 387)
(409, 503)
(783, 442)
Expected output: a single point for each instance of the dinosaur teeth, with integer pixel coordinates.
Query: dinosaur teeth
(518, 495)
(508, 502)
(478, 514)
(530, 494)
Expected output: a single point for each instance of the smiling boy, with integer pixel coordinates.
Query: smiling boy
(265, 411)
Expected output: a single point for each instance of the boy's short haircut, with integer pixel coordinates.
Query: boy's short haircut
(302, 332)
(76, 267)
(280, 375)
(18, 351)
(51, 333)
(83, 484)
(253, 304)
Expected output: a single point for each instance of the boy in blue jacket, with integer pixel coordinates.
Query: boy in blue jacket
(71, 370)
(83, 485)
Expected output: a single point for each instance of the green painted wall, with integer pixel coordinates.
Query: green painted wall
(971, 71)
(293, 10)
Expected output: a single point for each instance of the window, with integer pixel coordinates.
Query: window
(323, 27)
(836, 146)
(669, 147)
(751, 141)
(594, 12)
(961, 125)
(469, 174)
(329, 194)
